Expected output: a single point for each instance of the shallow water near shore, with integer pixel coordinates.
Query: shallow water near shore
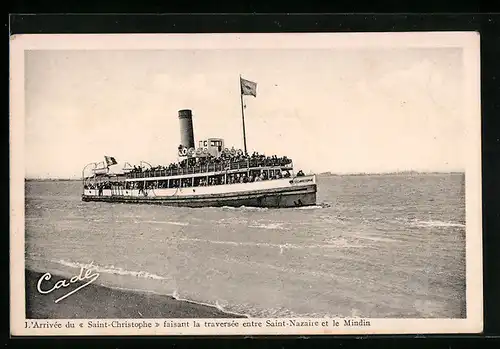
(374, 246)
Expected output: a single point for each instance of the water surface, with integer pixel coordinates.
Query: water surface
(375, 246)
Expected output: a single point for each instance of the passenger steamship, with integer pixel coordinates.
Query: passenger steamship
(207, 175)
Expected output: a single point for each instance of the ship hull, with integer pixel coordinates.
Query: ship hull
(279, 197)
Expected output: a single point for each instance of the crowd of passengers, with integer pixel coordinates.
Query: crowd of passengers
(225, 159)
(232, 178)
(103, 185)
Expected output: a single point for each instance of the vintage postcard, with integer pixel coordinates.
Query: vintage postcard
(245, 184)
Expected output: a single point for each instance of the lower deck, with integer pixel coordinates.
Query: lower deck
(299, 191)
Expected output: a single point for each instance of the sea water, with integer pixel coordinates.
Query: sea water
(374, 246)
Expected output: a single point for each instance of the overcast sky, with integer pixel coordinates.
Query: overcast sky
(339, 110)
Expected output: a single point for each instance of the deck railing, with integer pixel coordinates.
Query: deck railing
(214, 167)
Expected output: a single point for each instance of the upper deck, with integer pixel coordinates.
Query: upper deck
(227, 166)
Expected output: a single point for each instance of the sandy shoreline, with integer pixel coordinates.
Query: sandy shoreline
(99, 302)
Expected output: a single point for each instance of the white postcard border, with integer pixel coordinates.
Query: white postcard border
(469, 41)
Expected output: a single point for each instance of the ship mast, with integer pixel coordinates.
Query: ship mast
(243, 118)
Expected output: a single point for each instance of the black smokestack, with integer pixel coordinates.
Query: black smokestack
(186, 123)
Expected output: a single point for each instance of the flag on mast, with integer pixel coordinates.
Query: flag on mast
(248, 87)
(110, 161)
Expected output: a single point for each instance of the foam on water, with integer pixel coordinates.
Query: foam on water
(244, 208)
(315, 207)
(374, 238)
(271, 226)
(217, 305)
(417, 223)
(437, 224)
(110, 270)
(333, 244)
(136, 290)
(175, 295)
(164, 222)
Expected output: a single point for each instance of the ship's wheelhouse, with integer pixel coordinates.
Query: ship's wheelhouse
(212, 146)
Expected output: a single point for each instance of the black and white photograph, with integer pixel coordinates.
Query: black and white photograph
(246, 184)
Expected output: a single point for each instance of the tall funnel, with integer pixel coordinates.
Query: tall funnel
(186, 123)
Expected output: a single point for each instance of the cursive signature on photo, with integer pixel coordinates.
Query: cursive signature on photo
(86, 273)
